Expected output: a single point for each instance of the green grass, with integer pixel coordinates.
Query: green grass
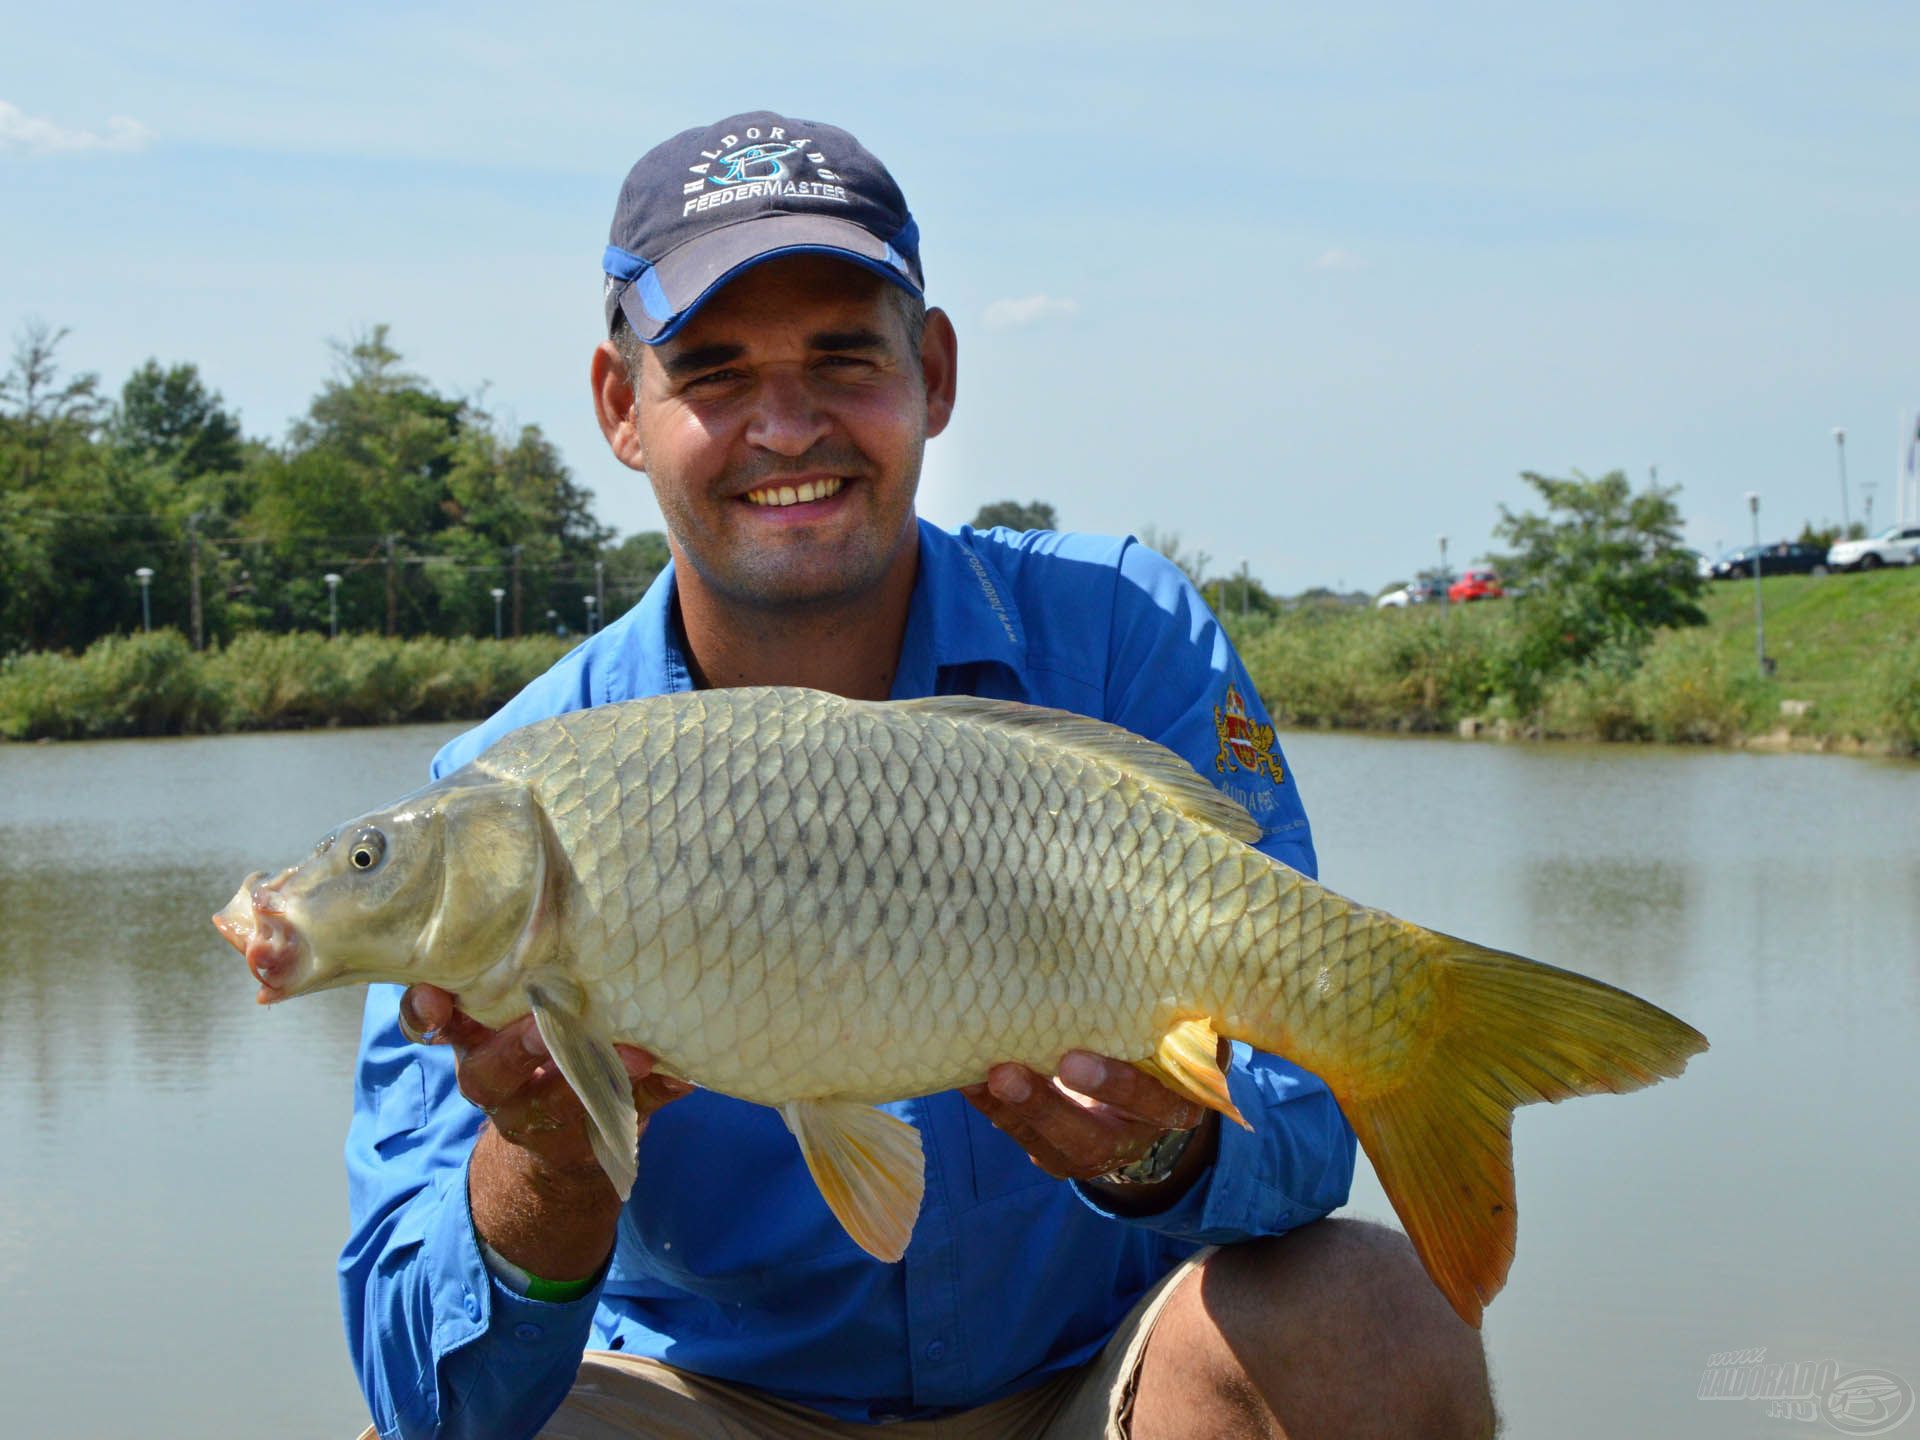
(1848, 644)
(1832, 639)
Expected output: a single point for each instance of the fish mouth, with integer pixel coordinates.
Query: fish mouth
(255, 922)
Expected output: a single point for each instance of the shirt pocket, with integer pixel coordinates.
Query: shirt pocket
(401, 1108)
(1000, 1167)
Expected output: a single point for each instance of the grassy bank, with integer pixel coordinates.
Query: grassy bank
(1846, 650)
(156, 685)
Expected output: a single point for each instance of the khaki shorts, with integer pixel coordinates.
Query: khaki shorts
(626, 1397)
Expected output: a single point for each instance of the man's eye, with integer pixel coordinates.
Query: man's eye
(713, 379)
(847, 362)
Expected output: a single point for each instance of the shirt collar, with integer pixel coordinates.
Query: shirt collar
(961, 613)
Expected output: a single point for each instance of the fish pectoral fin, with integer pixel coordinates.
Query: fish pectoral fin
(1187, 1061)
(592, 1067)
(869, 1167)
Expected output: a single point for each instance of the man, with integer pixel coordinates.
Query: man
(772, 369)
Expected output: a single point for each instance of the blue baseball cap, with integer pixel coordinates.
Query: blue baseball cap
(700, 208)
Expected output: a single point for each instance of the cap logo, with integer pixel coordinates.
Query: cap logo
(761, 169)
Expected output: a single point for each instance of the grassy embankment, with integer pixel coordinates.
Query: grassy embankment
(1849, 645)
(156, 685)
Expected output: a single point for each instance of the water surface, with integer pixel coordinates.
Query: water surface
(172, 1198)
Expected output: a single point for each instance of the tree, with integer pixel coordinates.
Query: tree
(1193, 563)
(1607, 569)
(1034, 515)
(171, 417)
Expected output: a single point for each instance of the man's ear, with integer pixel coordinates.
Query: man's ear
(614, 406)
(939, 367)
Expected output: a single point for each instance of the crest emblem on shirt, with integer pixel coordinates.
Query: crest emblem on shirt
(1243, 744)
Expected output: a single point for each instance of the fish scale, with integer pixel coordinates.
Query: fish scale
(821, 905)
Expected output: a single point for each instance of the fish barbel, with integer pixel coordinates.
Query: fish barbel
(821, 904)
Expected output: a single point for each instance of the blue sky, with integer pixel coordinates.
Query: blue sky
(1308, 288)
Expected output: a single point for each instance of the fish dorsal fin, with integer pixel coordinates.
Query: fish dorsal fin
(592, 1067)
(869, 1167)
(1153, 765)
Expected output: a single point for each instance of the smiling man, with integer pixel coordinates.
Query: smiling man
(1094, 1256)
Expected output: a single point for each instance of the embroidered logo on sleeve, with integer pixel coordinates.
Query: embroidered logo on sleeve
(1243, 744)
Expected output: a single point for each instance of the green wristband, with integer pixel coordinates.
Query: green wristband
(557, 1292)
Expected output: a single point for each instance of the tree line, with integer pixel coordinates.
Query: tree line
(419, 502)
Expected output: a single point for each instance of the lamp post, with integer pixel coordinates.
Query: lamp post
(1840, 450)
(591, 602)
(600, 586)
(498, 595)
(1866, 495)
(145, 576)
(1446, 595)
(1759, 613)
(553, 621)
(333, 605)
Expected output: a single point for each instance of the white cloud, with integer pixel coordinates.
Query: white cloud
(1030, 310)
(32, 135)
(1337, 259)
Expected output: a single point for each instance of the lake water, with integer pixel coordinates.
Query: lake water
(171, 1197)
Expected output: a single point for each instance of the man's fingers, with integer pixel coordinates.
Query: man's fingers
(493, 1070)
(1125, 1087)
(1064, 1136)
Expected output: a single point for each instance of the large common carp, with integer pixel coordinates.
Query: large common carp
(820, 904)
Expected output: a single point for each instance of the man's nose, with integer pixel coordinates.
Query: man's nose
(787, 418)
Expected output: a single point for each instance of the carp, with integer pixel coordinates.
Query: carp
(821, 904)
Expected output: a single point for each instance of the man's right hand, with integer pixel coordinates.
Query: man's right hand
(539, 1197)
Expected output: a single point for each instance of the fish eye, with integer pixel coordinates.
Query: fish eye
(369, 848)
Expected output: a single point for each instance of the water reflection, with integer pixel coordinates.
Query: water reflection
(1626, 918)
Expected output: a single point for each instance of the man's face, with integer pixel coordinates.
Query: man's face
(783, 429)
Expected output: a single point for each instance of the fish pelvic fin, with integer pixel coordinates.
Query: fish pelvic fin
(869, 1167)
(592, 1067)
(1507, 1031)
(1187, 1061)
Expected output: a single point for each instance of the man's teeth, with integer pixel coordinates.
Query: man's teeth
(797, 494)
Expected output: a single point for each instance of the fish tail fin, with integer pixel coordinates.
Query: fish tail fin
(1502, 1031)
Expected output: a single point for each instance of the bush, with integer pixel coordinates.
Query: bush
(1688, 692)
(156, 685)
(1894, 696)
(124, 685)
(1382, 669)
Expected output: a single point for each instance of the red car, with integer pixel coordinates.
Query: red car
(1475, 585)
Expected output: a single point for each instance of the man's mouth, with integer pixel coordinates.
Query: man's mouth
(780, 494)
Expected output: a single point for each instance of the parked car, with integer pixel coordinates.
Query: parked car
(1898, 545)
(1782, 557)
(1415, 592)
(1478, 583)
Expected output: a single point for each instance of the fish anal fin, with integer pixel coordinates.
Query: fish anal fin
(1187, 1061)
(869, 1167)
(592, 1067)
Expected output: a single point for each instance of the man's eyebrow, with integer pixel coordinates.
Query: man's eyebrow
(847, 340)
(690, 362)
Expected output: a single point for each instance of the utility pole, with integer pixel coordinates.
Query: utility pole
(516, 592)
(1759, 615)
(1840, 449)
(1245, 580)
(393, 589)
(600, 590)
(193, 571)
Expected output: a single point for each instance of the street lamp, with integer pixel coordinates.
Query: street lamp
(498, 595)
(1759, 614)
(145, 576)
(553, 620)
(1446, 593)
(1840, 449)
(591, 602)
(333, 605)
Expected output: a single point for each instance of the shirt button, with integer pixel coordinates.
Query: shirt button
(472, 1303)
(936, 1349)
(526, 1330)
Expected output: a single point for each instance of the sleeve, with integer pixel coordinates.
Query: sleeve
(441, 1346)
(1173, 676)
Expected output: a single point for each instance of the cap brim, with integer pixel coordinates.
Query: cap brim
(660, 300)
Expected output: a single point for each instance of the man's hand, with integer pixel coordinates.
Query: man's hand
(1100, 1115)
(539, 1196)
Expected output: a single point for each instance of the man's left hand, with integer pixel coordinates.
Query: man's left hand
(1100, 1115)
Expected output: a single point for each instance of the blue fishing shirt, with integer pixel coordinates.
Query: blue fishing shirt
(727, 1261)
